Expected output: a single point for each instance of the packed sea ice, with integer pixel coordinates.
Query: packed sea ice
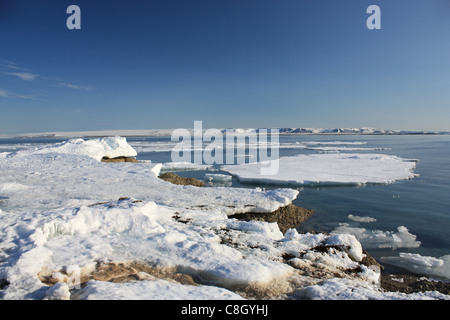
(64, 213)
(325, 169)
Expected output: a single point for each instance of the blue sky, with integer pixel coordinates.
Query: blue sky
(235, 63)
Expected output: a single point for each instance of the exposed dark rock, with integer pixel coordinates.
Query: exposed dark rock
(119, 159)
(3, 283)
(176, 179)
(112, 204)
(410, 283)
(368, 261)
(287, 217)
(119, 272)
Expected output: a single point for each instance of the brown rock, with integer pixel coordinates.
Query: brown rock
(287, 217)
(119, 272)
(176, 179)
(119, 159)
(368, 261)
(410, 283)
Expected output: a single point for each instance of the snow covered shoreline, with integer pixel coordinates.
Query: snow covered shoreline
(66, 214)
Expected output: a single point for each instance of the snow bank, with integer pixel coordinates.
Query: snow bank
(348, 240)
(156, 289)
(110, 147)
(328, 169)
(219, 250)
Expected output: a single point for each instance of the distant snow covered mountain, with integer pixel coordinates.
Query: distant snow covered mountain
(337, 130)
(363, 130)
(168, 132)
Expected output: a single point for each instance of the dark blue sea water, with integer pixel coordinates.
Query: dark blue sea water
(422, 204)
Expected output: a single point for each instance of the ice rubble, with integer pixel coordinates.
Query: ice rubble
(65, 211)
(380, 239)
(328, 169)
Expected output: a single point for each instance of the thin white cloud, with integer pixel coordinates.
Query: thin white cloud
(4, 93)
(23, 75)
(12, 65)
(28, 97)
(74, 86)
(9, 94)
(17, 71)
(76, 111)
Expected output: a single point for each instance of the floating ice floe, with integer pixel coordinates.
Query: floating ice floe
(333, 142)
(216, 177)
(184, 166)
(338, 149)
(417, 263)
(402, 238)
(168, 146)
(152, 146)
(328, 169)
(361, 219)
